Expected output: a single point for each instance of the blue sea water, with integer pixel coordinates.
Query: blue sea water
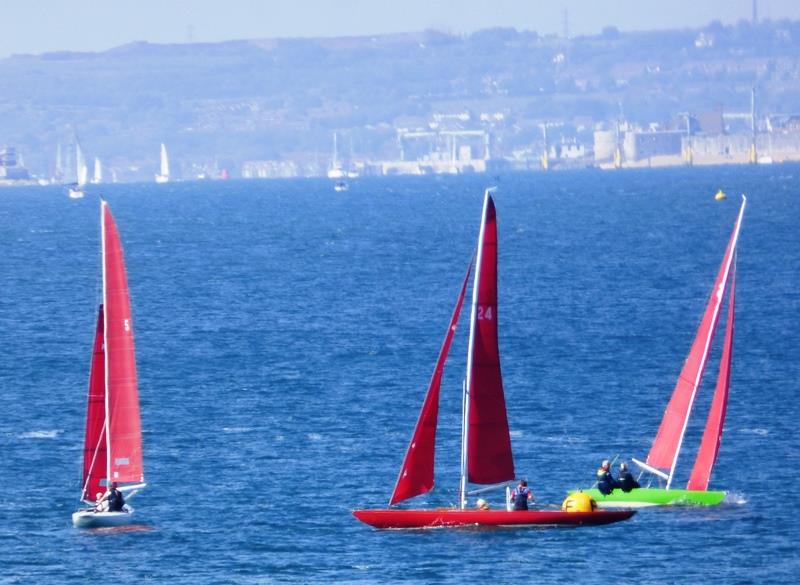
(285, 336)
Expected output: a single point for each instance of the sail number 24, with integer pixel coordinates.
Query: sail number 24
(485, 313)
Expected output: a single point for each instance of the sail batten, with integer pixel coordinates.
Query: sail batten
(712, 435)
(667, 443)
(417, 472)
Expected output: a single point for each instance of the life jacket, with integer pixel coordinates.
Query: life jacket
(605, 481)
(627, 482)
(520, 495)
(115, 501)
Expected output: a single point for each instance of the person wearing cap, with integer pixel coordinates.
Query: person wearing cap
(626, 480)
(605, 481)
(521, 495)
(113, 497)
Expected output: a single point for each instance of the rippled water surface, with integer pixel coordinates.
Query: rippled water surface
(285, 335)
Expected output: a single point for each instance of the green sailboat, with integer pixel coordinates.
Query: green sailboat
(663, 457)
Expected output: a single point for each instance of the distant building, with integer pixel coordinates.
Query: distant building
(711, 122)
(643, 145)
(605, 144)
(10, 168)
(567, 150)
(269, 169)
(792, 124)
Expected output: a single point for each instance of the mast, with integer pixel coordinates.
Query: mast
(103, 205)
(467, 387)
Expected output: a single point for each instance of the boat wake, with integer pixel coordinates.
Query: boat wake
(755, 431)
(41, 434)
(120, 529)
(735, 498)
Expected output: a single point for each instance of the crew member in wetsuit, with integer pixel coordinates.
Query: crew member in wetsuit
(114, 498)
(605, 481)
(521, 495)
(626, 480)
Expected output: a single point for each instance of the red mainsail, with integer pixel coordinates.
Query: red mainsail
(666, 446)
(709, 446)
(416, 473)
(94, 444)
(489, 457)
(122, 398)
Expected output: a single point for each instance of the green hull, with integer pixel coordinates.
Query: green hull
(644, 497)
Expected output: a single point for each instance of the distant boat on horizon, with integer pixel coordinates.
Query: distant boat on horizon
(76, 190)
(163, 175)
(97, 176)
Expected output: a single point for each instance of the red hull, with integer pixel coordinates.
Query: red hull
(452, 518)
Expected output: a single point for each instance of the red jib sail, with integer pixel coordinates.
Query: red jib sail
(94, 445)
(489, 457)
(416, 473)
(666, 446)
(122, 398)
(709, 446)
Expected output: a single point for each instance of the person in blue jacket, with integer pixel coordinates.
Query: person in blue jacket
(521, 495)
(605, 481)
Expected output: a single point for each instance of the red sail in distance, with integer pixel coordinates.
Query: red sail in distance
(122, 400)
(94, 445)
(712, 436)
(489, 457)
(664, 452)
(416, 473)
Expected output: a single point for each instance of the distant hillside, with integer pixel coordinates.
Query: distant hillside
(274, 99)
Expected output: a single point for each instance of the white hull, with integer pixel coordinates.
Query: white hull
(92, 519)
(76, 193)
(162, 179)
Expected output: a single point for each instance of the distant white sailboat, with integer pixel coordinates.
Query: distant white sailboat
(58, 174)
(335, 171)
(76, 190)
(98, 172)
(163, 175)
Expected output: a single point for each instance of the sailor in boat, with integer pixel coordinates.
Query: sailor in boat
(626, 480)
(113, 497)
(101, 504)
(605, 481)
(481, 504)
(521, 495)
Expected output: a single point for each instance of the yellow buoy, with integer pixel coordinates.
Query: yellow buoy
(579, 502)
(720, 195)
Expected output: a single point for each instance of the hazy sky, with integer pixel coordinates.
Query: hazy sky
(36, 26)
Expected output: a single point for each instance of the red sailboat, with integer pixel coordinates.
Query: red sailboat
(663, 456)
(486, 456)
(112, 451)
